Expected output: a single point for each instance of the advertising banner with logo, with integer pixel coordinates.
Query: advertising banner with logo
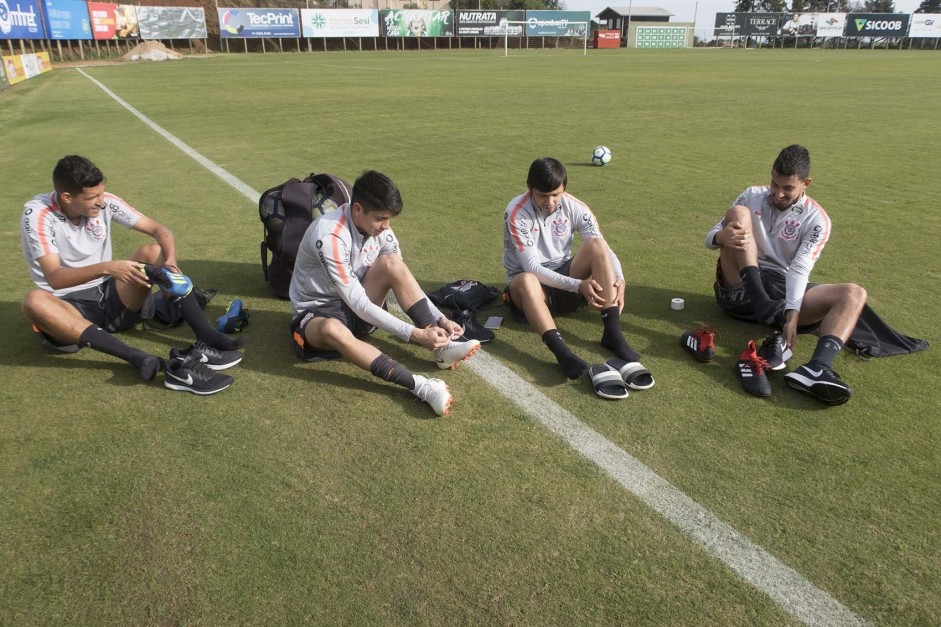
(19, 19)
(925, 25)
(877, 25)
(340, 22)
(557, 23)
(251, 23)
(103, 22)
(761, 24)
(473, 23)
(171, 22)
(417, 23)
(22, 66)
(729, 24)
(126, 25)
(66, 19)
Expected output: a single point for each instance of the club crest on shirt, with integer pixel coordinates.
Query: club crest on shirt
(560, 227)
(790, 230)
(96, 229)
(370, 252)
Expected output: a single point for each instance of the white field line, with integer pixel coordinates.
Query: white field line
(788, 588)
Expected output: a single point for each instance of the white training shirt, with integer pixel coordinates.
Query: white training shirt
(331, 262)
(46, 231)
(539, 243)
(789, 241)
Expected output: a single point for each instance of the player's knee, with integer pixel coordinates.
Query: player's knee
(149, 253)
(738, 213)
(35, 303)
(856, 294)
(332, 331)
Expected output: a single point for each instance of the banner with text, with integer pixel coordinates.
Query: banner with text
(489, 23)
(877, 25)
(19, 67)
(340, 22)
(925, 25)
(19, 19)
(557, 23)
(171, 22)
(748, 24)
(66, 19)
(729, 24)
(417, 23)
(814, 24)
(251, 23)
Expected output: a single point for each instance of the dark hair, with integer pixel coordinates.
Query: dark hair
(546, 175)
(72, 174)
(795, 159)
(375, 191)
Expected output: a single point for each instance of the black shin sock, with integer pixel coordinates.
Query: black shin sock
(197, 320)
(572, 364)
(420, 314)
(613, 338)
(98, 339)
(827, 348)
(392, 371)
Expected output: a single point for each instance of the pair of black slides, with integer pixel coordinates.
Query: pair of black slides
(612, 379)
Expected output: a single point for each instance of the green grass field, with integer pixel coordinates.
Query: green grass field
(313, 493)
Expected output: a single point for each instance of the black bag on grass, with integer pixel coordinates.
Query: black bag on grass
(463, 294)
(286, 211)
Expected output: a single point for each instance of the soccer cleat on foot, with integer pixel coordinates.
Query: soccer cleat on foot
(435, 392)
(214, 358)
(819, 382)
(701, 343)
(775, 351)
(175, 284)
(751, 372)
(191, 375)
(455, 352)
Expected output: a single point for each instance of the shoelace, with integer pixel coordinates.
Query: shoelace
(758, 363)
(207, 350)
(198, 369)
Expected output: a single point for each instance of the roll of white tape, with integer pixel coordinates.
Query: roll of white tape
(677, 304)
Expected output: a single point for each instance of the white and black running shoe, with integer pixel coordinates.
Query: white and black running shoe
(191, 375)
(775, 351)
(819, 382)
(213, 358)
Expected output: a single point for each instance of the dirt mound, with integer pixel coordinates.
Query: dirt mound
(151, 51)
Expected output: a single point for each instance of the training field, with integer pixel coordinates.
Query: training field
(314, 493)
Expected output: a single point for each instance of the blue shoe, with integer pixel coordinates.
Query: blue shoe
(234, 319)
(173, 283)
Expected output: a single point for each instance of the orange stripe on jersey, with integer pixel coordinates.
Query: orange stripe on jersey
(341, 271)
(513, 232)
(45, 214)
(826, 233)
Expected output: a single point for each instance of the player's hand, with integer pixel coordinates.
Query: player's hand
(619, 295)
(789, 330)
(735, 235)
(127, 271)
(454, 329)
(591, 291)
(432, 337)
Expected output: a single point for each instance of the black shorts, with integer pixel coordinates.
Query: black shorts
(101, 305)
(558, 301)
(735, 302)
(338, 310)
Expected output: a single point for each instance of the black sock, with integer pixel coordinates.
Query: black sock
(754, 288)
(613, 338)
(571, 363)
(827, 348)
(196, 318)
(392, 371)
(96, 338)
(420, 314)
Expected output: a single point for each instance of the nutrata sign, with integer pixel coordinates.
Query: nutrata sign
(877, 25)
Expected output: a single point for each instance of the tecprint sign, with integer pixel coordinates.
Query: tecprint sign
(489, 23)
(877, 25)
(248, 23)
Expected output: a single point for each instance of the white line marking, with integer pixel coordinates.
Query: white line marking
(783, 584)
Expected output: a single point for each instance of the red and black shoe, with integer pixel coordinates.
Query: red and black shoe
(701, 343)
(751, 372)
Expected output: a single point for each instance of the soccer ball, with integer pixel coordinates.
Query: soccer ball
(601, 155)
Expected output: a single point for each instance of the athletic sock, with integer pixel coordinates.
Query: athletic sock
(98, 339)
(754, 288)
(613, 338)
(827, 348)
(197, 320)
(572, 364)
(420, 314)
(392, 371)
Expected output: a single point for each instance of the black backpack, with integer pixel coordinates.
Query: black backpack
(286, 211)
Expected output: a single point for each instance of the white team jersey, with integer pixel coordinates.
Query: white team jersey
(789, 241)
(46, 231)
(332, 260)
(539, 243)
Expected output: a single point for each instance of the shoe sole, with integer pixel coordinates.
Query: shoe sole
(218, 367)
(443, 366)
(827, 394)
(186, 388)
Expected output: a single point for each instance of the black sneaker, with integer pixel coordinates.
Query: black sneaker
(820, 382)
(191, 375)
(751, 372)
(775, 351)
(214, 358)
